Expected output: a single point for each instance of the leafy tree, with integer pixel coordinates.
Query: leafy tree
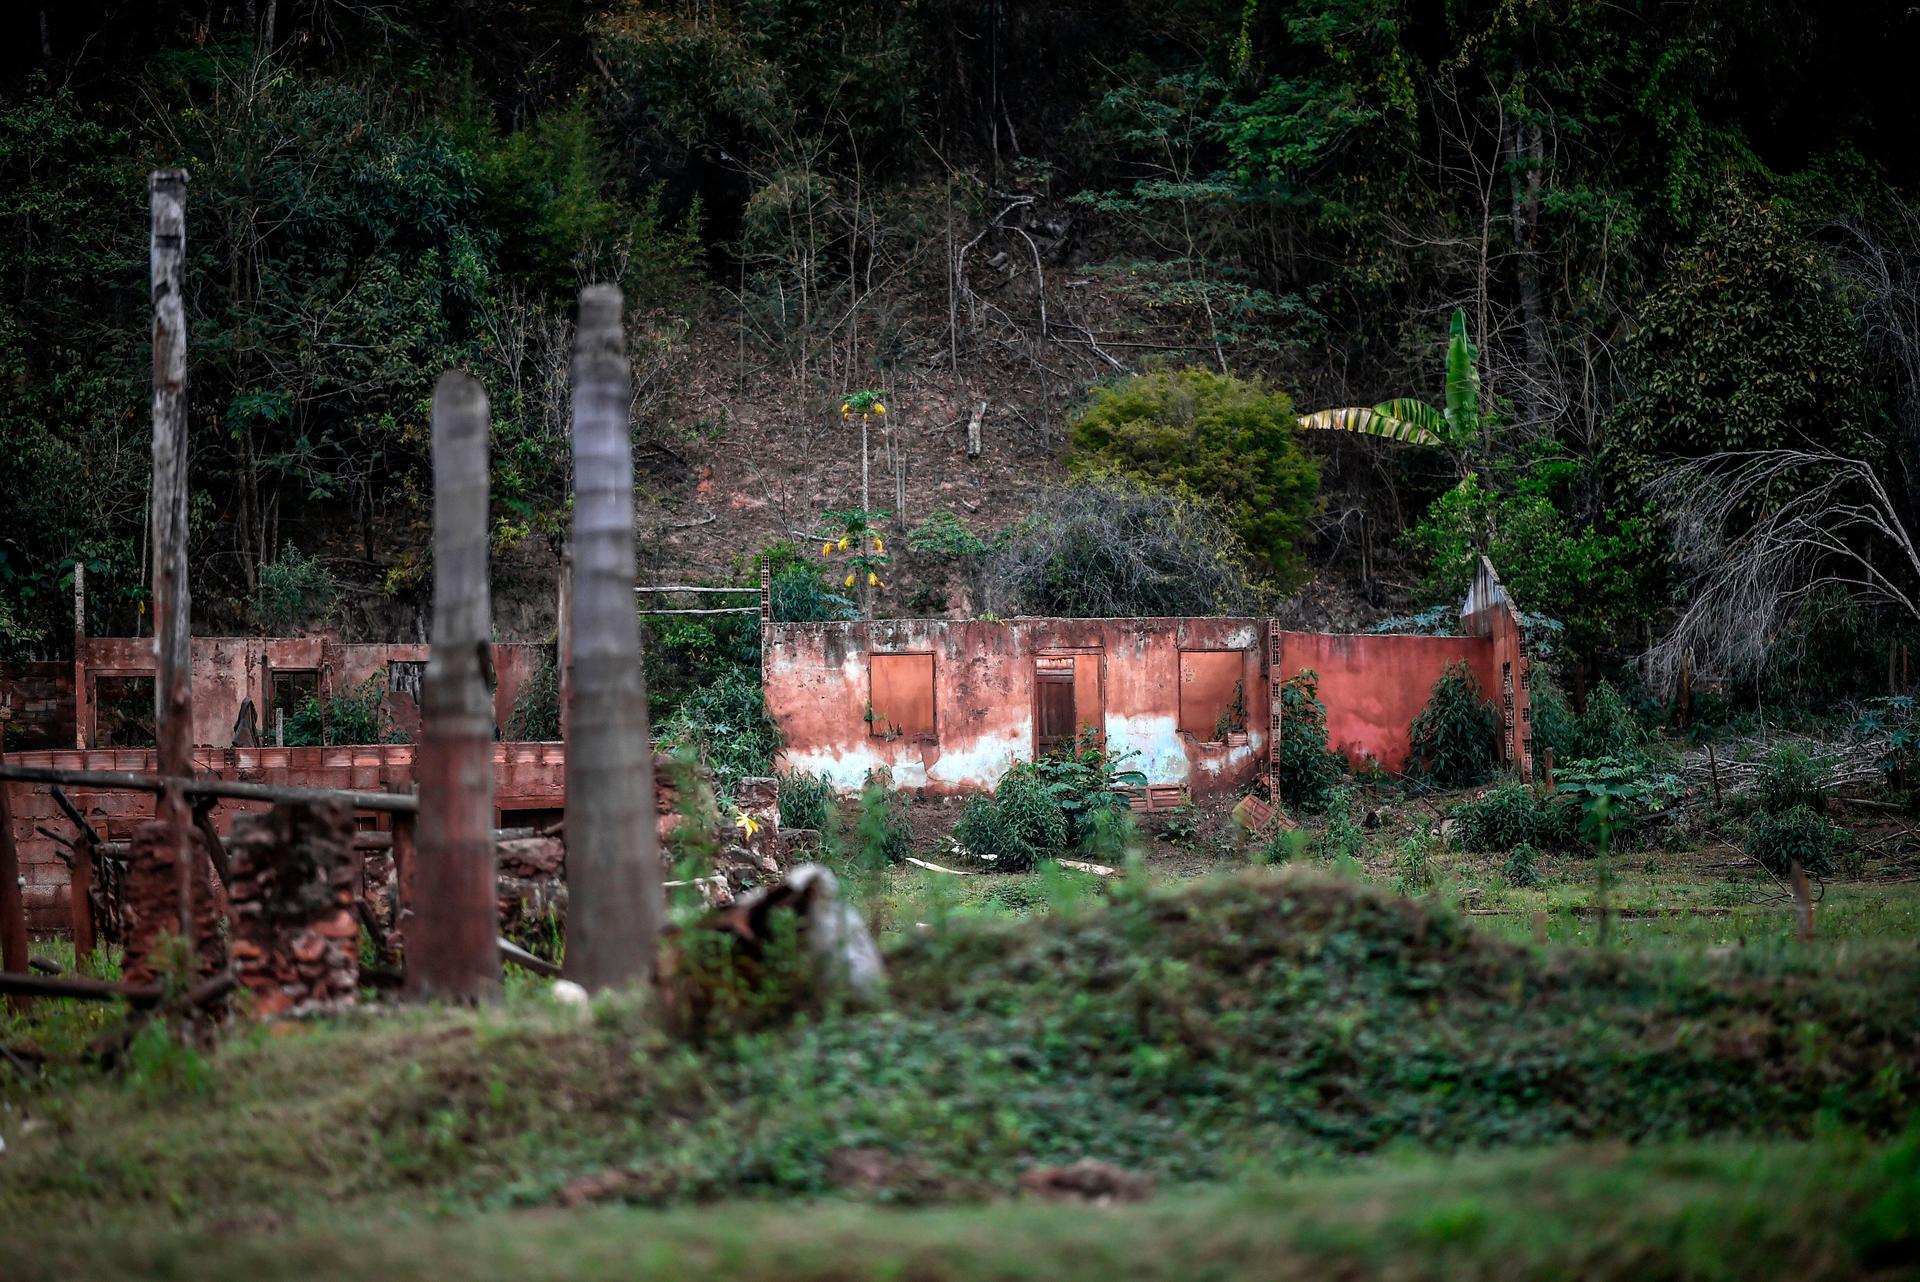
(1598, 579)
(1310, 772)
(1743, 346)
(1226, 440)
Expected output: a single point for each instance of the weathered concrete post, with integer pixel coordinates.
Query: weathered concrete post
(613, 860)
(450, 946)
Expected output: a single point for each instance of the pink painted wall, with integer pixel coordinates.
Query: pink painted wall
(816, 681)
(1374, 686)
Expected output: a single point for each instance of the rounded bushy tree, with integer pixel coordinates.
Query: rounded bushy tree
(1229, 441)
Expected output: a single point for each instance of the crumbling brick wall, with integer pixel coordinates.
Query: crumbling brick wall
(153, 903)
(40, 698)
(295, 932)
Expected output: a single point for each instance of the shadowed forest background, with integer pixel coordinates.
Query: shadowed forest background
(1676, 230)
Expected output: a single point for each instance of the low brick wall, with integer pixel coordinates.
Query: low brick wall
(527, 776)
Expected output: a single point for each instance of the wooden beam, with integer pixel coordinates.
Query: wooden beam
(130, 781)
(172, 597)
(450, 949)
(613, 860)
(710, 591)
(13, 909)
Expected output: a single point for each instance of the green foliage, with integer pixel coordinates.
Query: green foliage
(1555, 725)
(1342, 838)
(1891, 724)
(358, 714)
(1507, 816)
(806, 801)
(1744, 345)
(881, 836)
(726, 722)
(1309, 771)
(1229, 441)
(536, 708)
(1635, 787)
(295, 590)
(1798, 833)
(1456, 737)
(1015, 829)
(945, 534)
(1608, 727)
(800, 594)
(1456, 427)
(1599, 579)
(1522, 868)
(1789, 779)
(1413, 865)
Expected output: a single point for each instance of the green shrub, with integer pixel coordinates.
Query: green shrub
(1554, 724)
(806, 801)
(1086, 782)
(1507, 816)
(1309, 772)
(1342, 838)
(881, 836)
(944, 534)
(726, 721)
(799, 594)
(358, 715)
(1522, 869)
(1797, 833)
(1788, 779)
(294, 589)
(1017, 827)
(1608, 727)
(1227, 440)
(1412, 867)
(1456, 737)
(1635, 787)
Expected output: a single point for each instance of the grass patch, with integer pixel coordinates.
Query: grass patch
(1229, 1029)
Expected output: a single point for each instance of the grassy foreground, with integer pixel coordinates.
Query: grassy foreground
(1835, 1208)
(1294, 1055)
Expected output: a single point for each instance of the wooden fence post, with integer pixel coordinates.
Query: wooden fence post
(13, 909)
(450, 947)
(613, 860)
(172, 599)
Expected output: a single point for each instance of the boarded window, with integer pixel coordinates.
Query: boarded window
(1213, 697)
(902, 696)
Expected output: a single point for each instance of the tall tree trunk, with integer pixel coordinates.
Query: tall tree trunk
(451, 953)
(172, 600)
(613, 858)
(1524, 160)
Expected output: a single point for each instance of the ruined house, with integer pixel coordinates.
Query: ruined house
(948, 705)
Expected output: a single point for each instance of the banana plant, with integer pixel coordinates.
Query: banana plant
(1453, 429)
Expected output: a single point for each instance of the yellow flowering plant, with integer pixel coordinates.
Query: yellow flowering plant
(857, 533)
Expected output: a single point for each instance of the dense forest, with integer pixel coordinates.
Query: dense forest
(1149, 236)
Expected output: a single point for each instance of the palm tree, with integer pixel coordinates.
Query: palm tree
(1454, 429)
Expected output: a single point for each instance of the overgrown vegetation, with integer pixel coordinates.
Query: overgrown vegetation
(358, 714)
(1456, 737)
(1309, 771)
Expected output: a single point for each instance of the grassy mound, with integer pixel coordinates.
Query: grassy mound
(1260, 1023)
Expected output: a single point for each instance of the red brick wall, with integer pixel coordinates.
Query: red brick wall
(528, 776)
(40, 696)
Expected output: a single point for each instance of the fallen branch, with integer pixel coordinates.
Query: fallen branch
(951, 872)
(1081, 865)
(526, 960)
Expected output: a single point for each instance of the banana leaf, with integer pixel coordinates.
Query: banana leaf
(1371, 422)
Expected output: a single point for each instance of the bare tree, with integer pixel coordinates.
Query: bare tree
(1761, 532)
(613, 860)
